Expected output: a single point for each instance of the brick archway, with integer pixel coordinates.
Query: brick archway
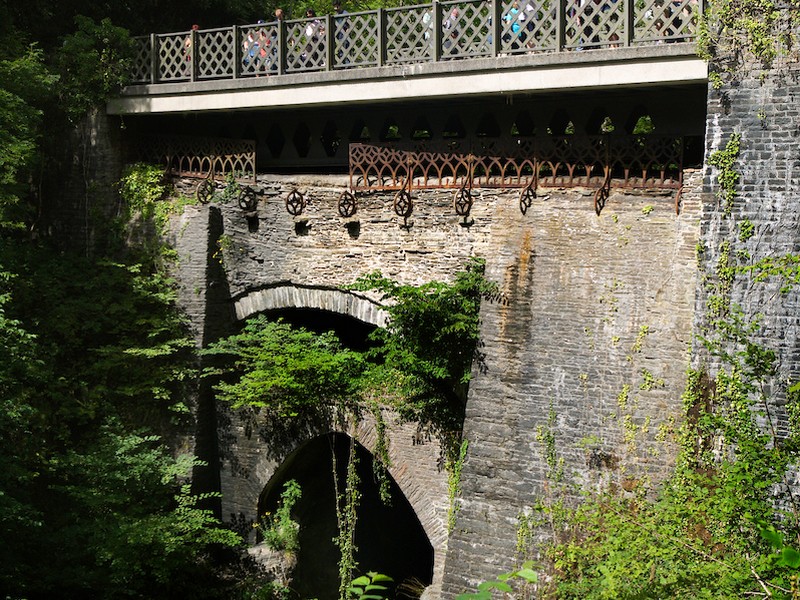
(253, 457)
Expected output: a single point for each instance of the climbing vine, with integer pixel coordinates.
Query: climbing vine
(347, 518)
(728, 177)
(454, 486)
(735, 33)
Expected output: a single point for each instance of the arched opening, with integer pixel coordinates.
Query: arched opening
(389, 537)
(351, 332)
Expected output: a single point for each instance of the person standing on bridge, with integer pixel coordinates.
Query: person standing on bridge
(341, 25)
(450, 32)
(187, 50)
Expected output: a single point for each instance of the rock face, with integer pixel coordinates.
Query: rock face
(584, 351)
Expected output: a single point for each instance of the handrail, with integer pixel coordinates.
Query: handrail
(438, 31)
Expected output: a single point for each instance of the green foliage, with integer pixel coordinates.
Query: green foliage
(280, 531)
(141, 187)
(503, 583)
(746, 230)
(347, 518)
(93, 357)
(454, 485)
(287, 371)
(431, 341)
(702, 537)
(785, 268)
(25, 89)
(369, 587)
(644, 125)
(727, 177)
(94, 62)
(735, 32)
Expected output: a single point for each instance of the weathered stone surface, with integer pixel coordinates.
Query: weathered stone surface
(579, 289)
(566, 335)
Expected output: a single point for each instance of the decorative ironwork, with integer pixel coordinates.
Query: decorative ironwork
(248, 201)
(601, 195)
(347, 205)
(205, 191)
(462, 202)
(295, 203)
(526, 197)
(565, 161)
(403, 205)
(413, 34)
(187, 156)
(462, 199)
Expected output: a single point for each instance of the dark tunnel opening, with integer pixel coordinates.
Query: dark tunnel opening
(389, 538)
(351, 332)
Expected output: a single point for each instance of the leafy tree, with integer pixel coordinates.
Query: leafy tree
(95, 61)
(94, 360)
(287, 371)
(25, 88)
(431, 341)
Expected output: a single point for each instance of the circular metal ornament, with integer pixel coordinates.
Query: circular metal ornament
(403, 206)
(462, 202)
(295, 203)
(205, 190)
(248, 201)
(347, 205)
(526, 197)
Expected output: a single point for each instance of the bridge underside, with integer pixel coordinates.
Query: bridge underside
(307, 138)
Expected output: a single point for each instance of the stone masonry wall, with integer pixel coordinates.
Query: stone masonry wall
(765, 111)
(591, 304)
(594, 303)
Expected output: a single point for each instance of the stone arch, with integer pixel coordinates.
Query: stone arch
(291, 296)
(390, 538)
(254, 449)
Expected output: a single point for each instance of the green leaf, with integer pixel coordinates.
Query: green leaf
(475, 596)
(775, 538)
(790, 557)
(528, 575)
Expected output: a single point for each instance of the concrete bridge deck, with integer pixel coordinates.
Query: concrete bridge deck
(432, 51)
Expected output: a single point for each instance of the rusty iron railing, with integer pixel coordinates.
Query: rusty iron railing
(598, 162)
(200, 157)
(439, 31)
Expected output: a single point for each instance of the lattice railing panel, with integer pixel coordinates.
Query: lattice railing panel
(465, 29)
(406, 35)
(356, 40)
(259, 49)
(658, 21)
(594, 25)
(214, 54)
(200, 156)
(557, 161)
(409, 34)
(528, 26)
(141, 60)
(174, 56)
(646, 161)
(305, 48)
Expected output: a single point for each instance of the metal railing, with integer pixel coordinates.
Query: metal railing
(439, 31)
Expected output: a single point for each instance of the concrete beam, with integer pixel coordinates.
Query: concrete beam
(666, 64)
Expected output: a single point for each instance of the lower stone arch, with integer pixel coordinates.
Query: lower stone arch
(390, 539)
(251, 460)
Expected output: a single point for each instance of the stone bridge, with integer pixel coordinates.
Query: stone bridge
(593, 304)
(561, 141)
